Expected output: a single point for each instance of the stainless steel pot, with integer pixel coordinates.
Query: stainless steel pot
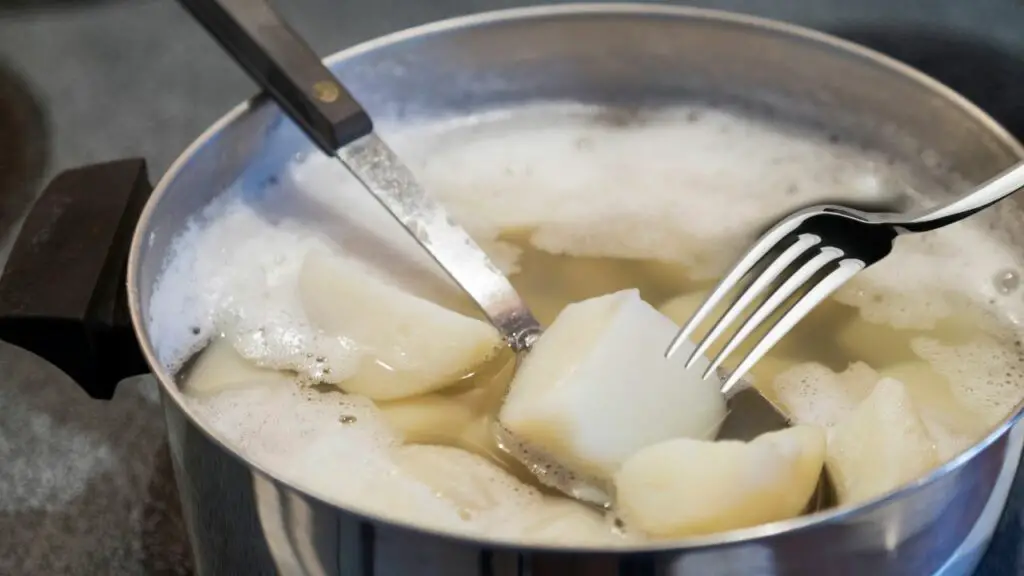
(64, 296)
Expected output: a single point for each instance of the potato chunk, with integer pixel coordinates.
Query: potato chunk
(688, 487)
(221, 368)
(413, 345)
(880, 446)
(596, 387)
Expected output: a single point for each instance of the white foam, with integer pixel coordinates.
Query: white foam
(689, 185)
(931, 276)
(984, 376)
(686, 185)
(206, 291)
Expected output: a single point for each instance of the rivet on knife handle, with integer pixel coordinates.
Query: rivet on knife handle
(281, 62)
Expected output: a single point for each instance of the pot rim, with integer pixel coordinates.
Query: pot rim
(743, 535)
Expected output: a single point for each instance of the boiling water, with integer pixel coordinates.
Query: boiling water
(572, 205)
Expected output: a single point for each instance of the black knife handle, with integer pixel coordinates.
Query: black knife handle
(281, 62)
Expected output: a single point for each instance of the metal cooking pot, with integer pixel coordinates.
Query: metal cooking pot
(64, 293)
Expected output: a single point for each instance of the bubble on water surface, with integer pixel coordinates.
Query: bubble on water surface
(1007, 281)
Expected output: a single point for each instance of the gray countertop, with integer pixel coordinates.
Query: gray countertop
(86, 486)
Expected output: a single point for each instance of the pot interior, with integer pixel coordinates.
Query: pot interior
(615, 69)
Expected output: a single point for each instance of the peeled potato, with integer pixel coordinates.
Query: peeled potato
(428, 419)
(504, 255)
(415, 346)
(559, 521)
(596, 387)
(482, 492)
(466, 480)
(765, 372)
(811, 393)
(221, 368)
(882, 445)
(688, 487)
(480, 438)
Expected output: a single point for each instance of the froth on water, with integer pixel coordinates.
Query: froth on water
(572, 206)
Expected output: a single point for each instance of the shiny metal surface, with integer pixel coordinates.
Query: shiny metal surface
(243, 520)
(847, 241)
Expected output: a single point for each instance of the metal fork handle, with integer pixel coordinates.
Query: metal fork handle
(1006, 183)
(281, 62)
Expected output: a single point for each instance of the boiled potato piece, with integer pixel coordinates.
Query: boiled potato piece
(428, 419)
(811, 393)
(952, 426)
(559, 521)
(466, 480)
(982, 374)
(461, 416)
(596, 387)
(688, 487)
(877, 344)
(504, 255)
(414, 345)
(221, 368)
(882, 445)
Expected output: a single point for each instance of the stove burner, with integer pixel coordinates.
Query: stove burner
(23, 146)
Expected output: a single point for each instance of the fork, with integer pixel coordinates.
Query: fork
(819, 249)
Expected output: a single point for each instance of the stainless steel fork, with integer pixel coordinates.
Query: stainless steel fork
(819, 249)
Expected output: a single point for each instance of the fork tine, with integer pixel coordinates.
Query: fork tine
(804, 243)
(787, 289)
(752, 257)
(846, 270)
